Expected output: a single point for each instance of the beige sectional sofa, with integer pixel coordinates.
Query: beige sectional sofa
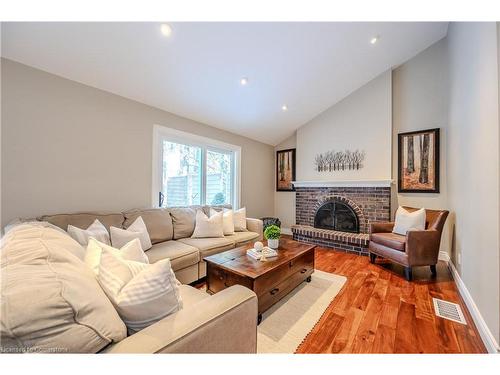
(52, 302)
(170, 231)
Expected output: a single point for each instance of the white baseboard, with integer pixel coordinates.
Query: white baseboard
(286, 231)
(486, 335)
(443, 255)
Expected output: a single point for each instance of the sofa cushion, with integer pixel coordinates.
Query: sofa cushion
(180, 254)
(191, 296)
(209, 246)
(14, 223)
(158, 222)
(392, 240)
(84, 220)
(241, 238)
(183, 220)
(50, 299)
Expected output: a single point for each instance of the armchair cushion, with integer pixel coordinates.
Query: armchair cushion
(392, 240)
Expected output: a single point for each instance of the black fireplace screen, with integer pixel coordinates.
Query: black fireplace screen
(336, 215)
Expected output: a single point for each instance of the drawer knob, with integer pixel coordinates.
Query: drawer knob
(274, 291)
(303, 270)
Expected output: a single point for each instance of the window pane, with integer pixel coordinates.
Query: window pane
(181, 174)
(219, 177)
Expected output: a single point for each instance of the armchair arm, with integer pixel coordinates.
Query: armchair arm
(381, 227)
(422, 247)
(256, 225)
(223, 323)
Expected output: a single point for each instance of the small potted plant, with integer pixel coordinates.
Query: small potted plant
(272, 235)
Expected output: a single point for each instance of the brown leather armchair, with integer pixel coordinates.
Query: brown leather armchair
(417, 248)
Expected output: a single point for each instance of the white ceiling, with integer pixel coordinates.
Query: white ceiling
(195, 72)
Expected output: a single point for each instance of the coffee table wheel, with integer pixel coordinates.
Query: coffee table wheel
(259, 319)
(308, 279)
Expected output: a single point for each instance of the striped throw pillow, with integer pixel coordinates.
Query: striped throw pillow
(130, 251)
(141, 293)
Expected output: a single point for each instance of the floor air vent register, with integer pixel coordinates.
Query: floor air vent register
(449, 310)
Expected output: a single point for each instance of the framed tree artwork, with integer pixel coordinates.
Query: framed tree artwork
(285, 170)
(418, 161)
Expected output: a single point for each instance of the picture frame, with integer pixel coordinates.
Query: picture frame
(418, 161)
(285, 169)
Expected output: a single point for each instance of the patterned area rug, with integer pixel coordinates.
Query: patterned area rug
(286, 324)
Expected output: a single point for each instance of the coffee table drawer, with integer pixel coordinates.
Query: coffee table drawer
(269, 280)
(280, 290)
(219, 279)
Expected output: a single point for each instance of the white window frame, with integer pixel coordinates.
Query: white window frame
(161, 133)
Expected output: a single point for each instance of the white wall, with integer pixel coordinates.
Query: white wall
(420, 101)
(473, 162)
(69, 147)
(498, 63)
(284, 201)
(360, 121)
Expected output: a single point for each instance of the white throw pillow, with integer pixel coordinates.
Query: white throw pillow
(130, 251)
(95, 230)
(227, 220)
(120, 237)
(141, 293)
(406, 221)
(207, 227)
(240, 220)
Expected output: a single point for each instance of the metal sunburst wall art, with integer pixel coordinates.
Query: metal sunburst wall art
(339, 160)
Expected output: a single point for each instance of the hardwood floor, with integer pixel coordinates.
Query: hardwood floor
(378, 311)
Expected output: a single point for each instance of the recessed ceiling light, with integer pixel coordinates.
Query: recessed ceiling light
(166, 30)
(284, 107)
(244, 81)
(374, 40)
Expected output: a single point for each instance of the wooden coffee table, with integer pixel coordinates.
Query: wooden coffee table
(271, 280)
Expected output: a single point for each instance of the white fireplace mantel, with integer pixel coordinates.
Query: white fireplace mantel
(344, 183)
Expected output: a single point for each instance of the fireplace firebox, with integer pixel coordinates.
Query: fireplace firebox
(336, 215)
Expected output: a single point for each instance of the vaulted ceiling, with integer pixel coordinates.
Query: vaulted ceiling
(196, 71)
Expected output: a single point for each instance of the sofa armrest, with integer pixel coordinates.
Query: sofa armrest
(381, 227)
(223, 323)
(257, 226)
(422, 247)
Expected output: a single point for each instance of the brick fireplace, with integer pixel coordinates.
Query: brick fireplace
(338, 215)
